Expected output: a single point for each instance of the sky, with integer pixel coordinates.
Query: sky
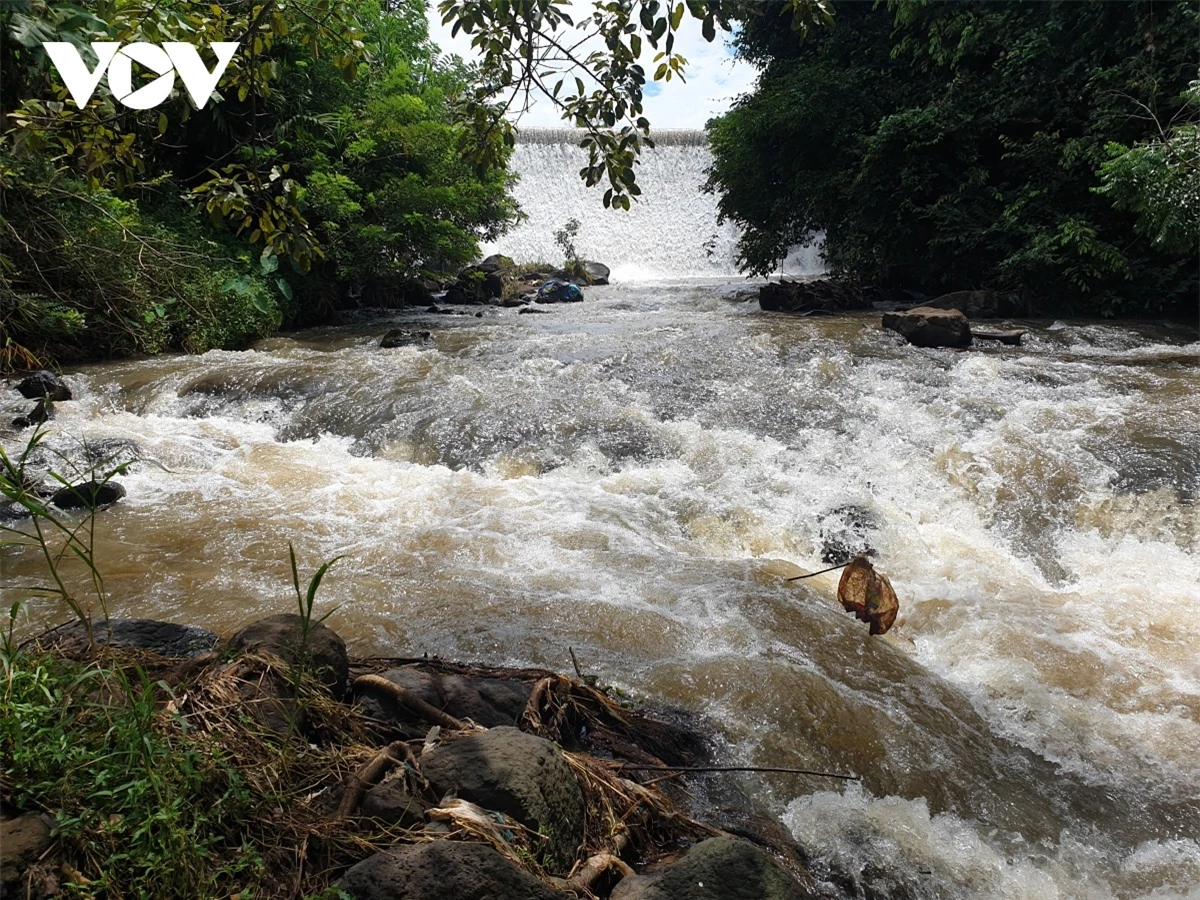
(714, 77)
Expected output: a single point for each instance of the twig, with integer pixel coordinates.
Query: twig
(575, 663)
(410, 701)
(814, 574)
(782, 769)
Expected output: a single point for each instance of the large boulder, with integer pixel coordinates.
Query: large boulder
(44, 384)
(596, 272)
(717, 869)
(809, 296)
(520, 775)
(443, 870)
(976, 304)
(163, 638)
(929, 327)
(391, 802)
(485, 701)
(322, 652)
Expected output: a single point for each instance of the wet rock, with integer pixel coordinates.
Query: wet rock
(717, 869)
(42, 410)
(405, 337)
(558, 291)
(485, 701)
(44, 384)
(391, 802)
(597, 272)
(512, 302)
(323, 652)
(929, 327)
(164, 638)
(23, 840)
(443, 870)
(845, 534)
(518, 774)
(977, 304)
(805, 296)
(530, 311)
(89, 495)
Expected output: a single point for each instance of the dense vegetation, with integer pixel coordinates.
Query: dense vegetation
(1043, 148)
(334, 165)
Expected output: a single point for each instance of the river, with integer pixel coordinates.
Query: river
(635, 476)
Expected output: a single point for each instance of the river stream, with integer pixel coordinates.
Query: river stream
(635, 476)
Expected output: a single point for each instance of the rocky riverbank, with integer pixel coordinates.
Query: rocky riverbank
(408, 778)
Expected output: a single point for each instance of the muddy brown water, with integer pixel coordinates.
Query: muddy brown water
(635, 476)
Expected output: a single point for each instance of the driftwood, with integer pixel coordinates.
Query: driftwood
(411, 702)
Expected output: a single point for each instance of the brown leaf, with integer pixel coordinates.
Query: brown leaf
(868, 594)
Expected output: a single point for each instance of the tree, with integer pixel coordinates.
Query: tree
(943, 146)
(533, 49)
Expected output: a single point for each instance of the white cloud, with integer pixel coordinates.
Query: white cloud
(714, 77)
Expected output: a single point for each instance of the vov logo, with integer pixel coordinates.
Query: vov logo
(168, 60)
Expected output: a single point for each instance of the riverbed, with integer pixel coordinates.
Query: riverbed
(635, 477)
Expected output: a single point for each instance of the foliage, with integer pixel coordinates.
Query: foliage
(534, 50)
(1158, 180)
(300, 187)
(565, 238)
(945, 146)
(139, 809)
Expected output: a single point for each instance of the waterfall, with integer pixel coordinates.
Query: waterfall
(670, 232)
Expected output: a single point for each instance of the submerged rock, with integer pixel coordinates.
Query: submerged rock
(44, 384)
(518, 774)
(42, 410)
(717, 869)
(929, 327)
(89, 495)
(443, 870)
(405, 337)
(323, 651)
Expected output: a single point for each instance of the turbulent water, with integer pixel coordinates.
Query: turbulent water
(670, 232)
(634, 476)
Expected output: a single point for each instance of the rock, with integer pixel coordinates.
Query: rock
(443, 870)
(512, 302)
(804, 296)
(928, 327)
(557, 291)
(391, 802)
(976, 304)
(717, 869)
(1012, 337)
(597, 273)
(90, 495)
(42, 410)
(518, 774)
(485, 701)
(23, 840)
(324, 653)
(44, 384)
(164, 638)
(530, 311)
(497, 262)
(404, 337)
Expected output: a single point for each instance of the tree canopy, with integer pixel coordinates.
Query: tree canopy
(940, 146)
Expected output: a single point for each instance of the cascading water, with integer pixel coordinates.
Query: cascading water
(670, 232)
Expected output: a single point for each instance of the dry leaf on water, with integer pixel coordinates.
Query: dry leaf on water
(868, 594)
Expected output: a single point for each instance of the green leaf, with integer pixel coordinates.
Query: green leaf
(284, 288)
